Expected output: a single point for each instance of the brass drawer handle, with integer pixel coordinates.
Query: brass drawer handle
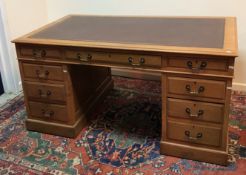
(141, 61)
(47, 113)
(188, 111)
(42, 75)
(130, 60)
(198, 135)
(38, 53)
(88, 58)
(44, 95)
(202, 66)
(200, 90)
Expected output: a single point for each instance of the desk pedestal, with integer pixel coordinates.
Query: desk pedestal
(60, 98)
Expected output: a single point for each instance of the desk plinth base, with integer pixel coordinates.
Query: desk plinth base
(194, 153)
(56, 128)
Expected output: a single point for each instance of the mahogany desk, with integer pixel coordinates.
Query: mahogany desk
(65, 70)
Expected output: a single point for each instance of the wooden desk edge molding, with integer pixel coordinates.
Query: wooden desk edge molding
(195, 56)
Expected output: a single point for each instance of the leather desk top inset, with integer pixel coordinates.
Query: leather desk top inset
(182, 32)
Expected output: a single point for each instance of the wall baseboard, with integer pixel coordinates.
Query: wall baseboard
(157, 77)
(239, 86)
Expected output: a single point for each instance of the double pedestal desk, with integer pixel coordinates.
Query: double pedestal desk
(66, 71)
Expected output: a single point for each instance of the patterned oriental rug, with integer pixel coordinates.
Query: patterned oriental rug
(123, 138)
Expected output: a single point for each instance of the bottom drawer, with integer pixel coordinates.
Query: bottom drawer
(194, 133)
(48, 111)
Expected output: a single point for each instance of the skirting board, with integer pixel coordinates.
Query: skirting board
(157, 77)
(239, 87)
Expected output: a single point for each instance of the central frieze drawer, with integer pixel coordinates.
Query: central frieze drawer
(196, 87)
(48, 111)
(194, 133)
(115, 58)
(201, 111)
(42, 72)
(42, 91)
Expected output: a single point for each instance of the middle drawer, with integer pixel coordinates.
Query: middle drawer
(189, 109)
(114, 58)
(44, 92)
(197, 87)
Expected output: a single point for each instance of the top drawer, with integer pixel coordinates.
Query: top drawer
(211, 65)
(114, 58)
(42, 72)
(39, 52)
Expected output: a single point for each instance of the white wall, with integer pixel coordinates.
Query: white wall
(25, 15)
(59, 8)
(19, 17)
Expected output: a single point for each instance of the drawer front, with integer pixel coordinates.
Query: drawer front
(48, 111)
(42, 72)
(197, 87)
(195, 110)
(198, 64)
(41, 91)
(39, 52)
(199, 134)
(115, 58)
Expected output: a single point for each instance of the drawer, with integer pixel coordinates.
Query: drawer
(39, 52)
(42, 72)
(48, 111)
(42, 91)
(194, 133)
(195, 110)
(115, 58)
(197, 87)
(202, 65)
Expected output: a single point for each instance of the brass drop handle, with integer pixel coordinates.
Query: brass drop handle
(189, 64)
(130, 60)
(88, 57)
(43, 74)
(188, 111)
(44, 95)
(141, 61)
(188, 135)
(47, 113)
(203, 65)
(200, 90)
(78, 55)
(38, 53)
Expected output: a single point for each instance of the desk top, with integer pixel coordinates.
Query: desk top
(205, 35)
